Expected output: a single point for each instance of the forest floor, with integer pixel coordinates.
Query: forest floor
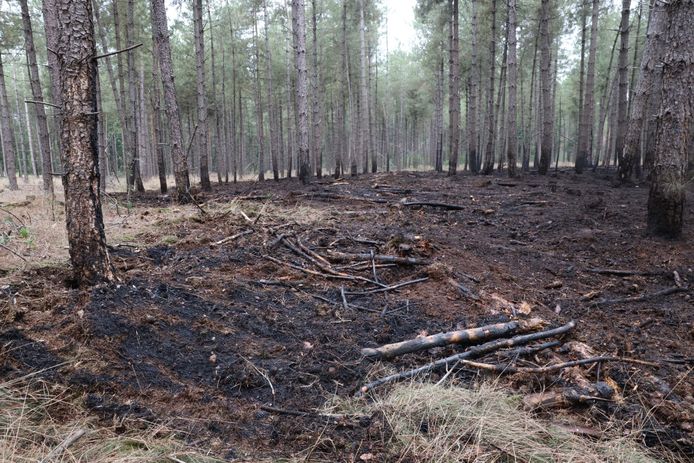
(216, 316)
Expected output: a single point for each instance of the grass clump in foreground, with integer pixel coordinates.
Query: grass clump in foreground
(38, 423)
(447, 423)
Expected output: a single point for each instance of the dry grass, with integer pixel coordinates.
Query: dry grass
(33, 424)
(447, 423)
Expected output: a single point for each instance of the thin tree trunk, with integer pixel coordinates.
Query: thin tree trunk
(201, 95)
(453, 91)
(489, 151)
(217, 144)
(8, 141)
(260, 129)
(50, 27)
(622, 121)
(163, 48)
(134, 167)
(316, 148)
(272, 118)
(546, 87)
(580, 150)
(587, 120)
(157, 126)
(511, 152)
(87, 242)
(101, 136)
(364, 128)
(37, 94)
(472, 79)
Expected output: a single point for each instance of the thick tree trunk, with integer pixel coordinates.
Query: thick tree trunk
(645, 87)
(37, 94)
(299, 29)
(511, 152)
(8, 141)
(272, 118)
(453, 91)
(546, 89)
(163, 48)
(76, 48)
(316, 143)
(156, 107)
(676, 116)
(201, 96)
(622, 121)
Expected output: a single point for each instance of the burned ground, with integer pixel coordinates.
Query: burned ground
(214, 317)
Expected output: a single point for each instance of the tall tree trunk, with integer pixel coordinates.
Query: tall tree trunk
(472, 99)
(676, 116)
(587, 119)
(8, 141)
(291, 145)
(134, 167)
(622, 121)
(317, 146)
(128, 143)
(50, 27)
(163, 48)
(37, 94)
(217, 143)
(438, 115)
(272, 118)
(299, 30)
(453, 91)
(201, 95)
(344, 87)
(580, 150)
(546, 89)
(156, 108)
(101, 135)
(258, 104)
(85, 228)
(489, 151)
(364, 129)
(645, 86)
(511, 152)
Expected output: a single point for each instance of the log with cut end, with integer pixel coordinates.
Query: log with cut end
(465, 337)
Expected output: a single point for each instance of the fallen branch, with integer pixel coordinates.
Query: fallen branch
(69, 440)
(555, 367)
(11, 251)
(345, 257)
(323, 275)
(620, 272)
(452, 207)
(231, 238)
(385, 288)
(473, 352)
(330, 416)
(462, 337)
(529, 350)
(643, 297)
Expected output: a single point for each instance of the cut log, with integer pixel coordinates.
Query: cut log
(473, 352)
(345, 257)
(464, 337)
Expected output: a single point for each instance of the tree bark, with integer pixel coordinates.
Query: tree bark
(156, 107)
(668, 186)
(50, 27)
(134, 167)
(512, 149)
(272, 118)
(299, 30)
(546, 89)
(218, 144)
(453, 91)
(622, 103)
(8, 141)
(76, 47)
(587, 119)
(580, 161)
(37, 94)
(163, 48)
(201, 96)
(316, 144)
(489, 151)
(260, 129)
(472, 98)
(364, 128)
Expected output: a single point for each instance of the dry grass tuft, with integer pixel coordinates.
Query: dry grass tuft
(33, 424)
(447, 423)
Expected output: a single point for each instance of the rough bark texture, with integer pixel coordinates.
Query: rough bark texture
(668, 186)
(37, 94)
(259, 104)
(622, 103)
(644, 88)
(581, 102)
(316, 148)
(163, 48)
(201, 95)
(454, 92)
(157, 127)
(8, 142)
(511, 152)
(545, 89)
(218, 143)
(585, 138)
(76, 49)
(299, 30)
(489, 151)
